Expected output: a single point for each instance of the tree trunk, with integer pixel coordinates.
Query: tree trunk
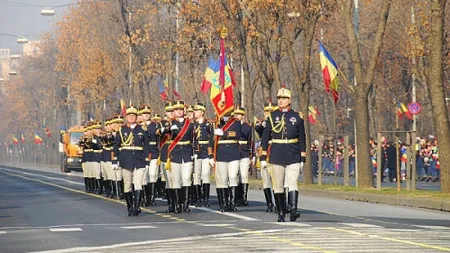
(437, 89)
(362, 89)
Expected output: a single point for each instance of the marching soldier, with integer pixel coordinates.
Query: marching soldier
(266, 179)
(97, 150)
(190, 113)
(107, 141)
(226, 135)
(116, 123)
(165, 139)
(160, 186)
(85, 157)
(144, 120)
(180, 154)
(132, 141)
(285, 128)
(245, 146)
(152, 170)
(202, 171)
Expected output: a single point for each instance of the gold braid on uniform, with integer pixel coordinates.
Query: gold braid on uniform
(279, 127)
(128, 141)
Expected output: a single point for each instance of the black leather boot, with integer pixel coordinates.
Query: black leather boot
(198, 195)
(288, 208)
(92, 183)
(206, 188)
(269, 202)
(293, 201)
(152, 194)
(177, 200)
(106, 185)
(129, 200)
(226, 199)
(192, 194)
(233, 198)
(120, 189)
(170, 196)
(137, 200)
(86, 188)
(220, 199)
(146, 195)
(113, 189)
(100, 186)
(185, 192)
(280, 201)
(244, 190)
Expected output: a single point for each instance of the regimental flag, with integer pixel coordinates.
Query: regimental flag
(330, 72)
(402, 109)
(15, 140)
(123, 107)
(37, 138)
(222, 96)
(313, 113)
(211, 70)
(22, 138)
(162, 89)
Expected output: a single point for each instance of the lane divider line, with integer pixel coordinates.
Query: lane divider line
(423, 245)
(138, 227)
(65, 229)
(234, 215)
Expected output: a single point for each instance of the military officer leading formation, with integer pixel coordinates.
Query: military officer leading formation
(144, 157)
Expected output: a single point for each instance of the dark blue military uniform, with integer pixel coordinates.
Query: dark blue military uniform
(163, 149)
(245, 140)
(183, 151)
(228, 146)
(202, 133)
(153, 140)
(132, 155)
(287, 132)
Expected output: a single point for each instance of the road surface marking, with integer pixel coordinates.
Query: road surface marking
(215, 225)
(65, 229)
(2, 232)
(132, 244)
(138, 227)
(293, 224)
(238, 216)
(431, 227)
(423, 245)
(53, 178)
(360, 225)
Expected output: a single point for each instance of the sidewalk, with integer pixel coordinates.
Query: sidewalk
(338, 192)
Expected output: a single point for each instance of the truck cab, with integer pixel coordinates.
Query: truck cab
(70, 149)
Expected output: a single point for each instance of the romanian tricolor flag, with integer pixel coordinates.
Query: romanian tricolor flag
(37, 138)
(222, 95)
(123, 107)
(162, 89)
(330, 72)
(210, 73)
(15, 140)
(402, 109)
(313, 113)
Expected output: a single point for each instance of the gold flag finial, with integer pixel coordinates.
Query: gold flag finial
(223, 32)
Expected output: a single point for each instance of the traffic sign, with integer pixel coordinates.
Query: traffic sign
(414, 108)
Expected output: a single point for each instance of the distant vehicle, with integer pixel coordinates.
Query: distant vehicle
(70, 149)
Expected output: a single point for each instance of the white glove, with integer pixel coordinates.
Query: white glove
(212, 162)
(194, 156)
(115, 166)
(263, 165)
(147, 167)
(174, 127)
(94, 141)
(254, 160)
(218, 132)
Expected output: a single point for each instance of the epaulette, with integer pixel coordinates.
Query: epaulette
(301, 115)
(144, 127)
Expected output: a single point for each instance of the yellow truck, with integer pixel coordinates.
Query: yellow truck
(70, 149)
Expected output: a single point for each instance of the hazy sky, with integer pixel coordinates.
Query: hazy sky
(23, 17)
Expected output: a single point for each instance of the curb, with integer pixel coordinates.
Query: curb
(417, 202)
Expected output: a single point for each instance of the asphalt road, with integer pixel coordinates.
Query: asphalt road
(44, 210)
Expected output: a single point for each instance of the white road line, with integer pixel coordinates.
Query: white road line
(65, 229)
(360, 225)
(431, 227)
(215, 225)
(2, 232)
(293, 224)
(138, 227)
(53, 178)
(184, 239)
(238, 216)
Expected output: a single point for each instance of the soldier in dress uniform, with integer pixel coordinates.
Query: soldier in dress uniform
(116, 123)
(226, 134)
(180, 154)
(152, 170)
(97, 150)
(285, 128)
(165, 140)
(132, 141)
(144, 115)
(190, 113)
(160, 185)
(245, 150)
(83, 143)
(202, 170)
(107, 141)
(266, 179)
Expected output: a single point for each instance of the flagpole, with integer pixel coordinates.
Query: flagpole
(334, 140)
(397, 149)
